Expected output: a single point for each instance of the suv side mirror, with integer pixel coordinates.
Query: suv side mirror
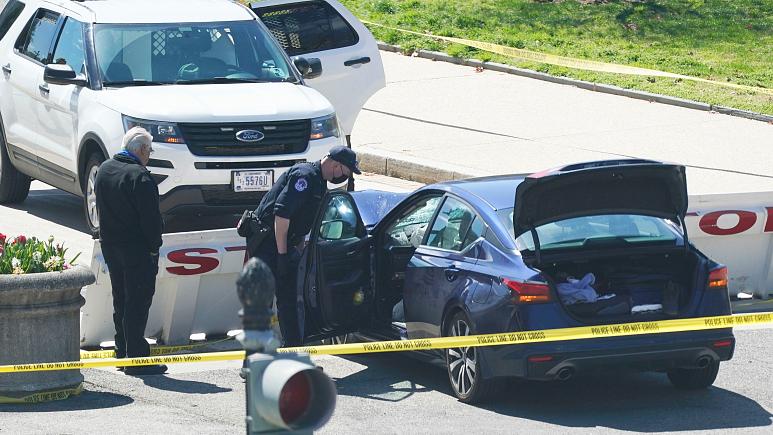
(58, 74)
(309, 68)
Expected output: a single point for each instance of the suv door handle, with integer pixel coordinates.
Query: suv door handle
(7, 68)
(451, 274)
(43, 88)
(359, 61)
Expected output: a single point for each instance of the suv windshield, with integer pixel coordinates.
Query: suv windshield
(223, 52)
(593, 230)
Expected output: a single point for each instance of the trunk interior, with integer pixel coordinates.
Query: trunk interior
(626, 288)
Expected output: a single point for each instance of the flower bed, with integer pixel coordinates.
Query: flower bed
(20, 255)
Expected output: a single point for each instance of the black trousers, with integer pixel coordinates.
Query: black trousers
(133, 277)
(286, 292)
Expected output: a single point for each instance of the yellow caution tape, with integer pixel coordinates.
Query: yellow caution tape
(124, 362)
(154, 350)
(568, 62)
(45, 396)
(564, 334)
(501, 339)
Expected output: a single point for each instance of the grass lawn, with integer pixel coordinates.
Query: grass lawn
(722, 40)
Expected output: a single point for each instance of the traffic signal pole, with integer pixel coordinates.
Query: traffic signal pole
(285, 393)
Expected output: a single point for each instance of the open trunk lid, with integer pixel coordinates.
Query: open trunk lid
(629, 186)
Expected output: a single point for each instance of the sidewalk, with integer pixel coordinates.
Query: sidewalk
(436, 121)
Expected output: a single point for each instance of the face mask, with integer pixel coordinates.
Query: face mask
(339, 180)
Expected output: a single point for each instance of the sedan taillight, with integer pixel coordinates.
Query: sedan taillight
(718, 278)
(528, 292)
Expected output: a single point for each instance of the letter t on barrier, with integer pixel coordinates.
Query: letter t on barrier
(285, 392)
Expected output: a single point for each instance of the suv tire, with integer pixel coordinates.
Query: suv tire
(89, 195)
(694, 379)
(464, 367)
(14, 185)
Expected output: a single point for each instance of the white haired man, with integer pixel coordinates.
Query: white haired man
(130, 227)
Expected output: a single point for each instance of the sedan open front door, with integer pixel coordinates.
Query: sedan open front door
(335, 271)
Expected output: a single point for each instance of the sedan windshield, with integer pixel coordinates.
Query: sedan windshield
(593, 230)
(158, 54)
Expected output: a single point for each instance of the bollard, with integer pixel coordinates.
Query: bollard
(285, 393)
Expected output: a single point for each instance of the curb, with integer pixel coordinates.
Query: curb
(405, 169)
(597, 87)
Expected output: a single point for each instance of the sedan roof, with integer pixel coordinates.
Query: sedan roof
(497, 191)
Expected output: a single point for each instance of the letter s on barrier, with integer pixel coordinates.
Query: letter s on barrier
(769, 222)
(205, 264)
(746, 220)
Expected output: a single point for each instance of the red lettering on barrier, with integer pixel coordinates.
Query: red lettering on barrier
(708, 223)
(205, 264)
(769, 222)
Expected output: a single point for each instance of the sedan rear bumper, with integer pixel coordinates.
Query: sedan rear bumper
(562, 360)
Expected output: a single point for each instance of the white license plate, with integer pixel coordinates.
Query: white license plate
(251, 181)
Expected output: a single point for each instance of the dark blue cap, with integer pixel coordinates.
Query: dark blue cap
(346, 157)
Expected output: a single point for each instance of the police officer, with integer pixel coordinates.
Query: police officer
(282, 220)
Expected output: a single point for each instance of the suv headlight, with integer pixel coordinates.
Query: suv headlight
(164, 132)
(324, 126)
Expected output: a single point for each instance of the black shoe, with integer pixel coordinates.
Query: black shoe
(146, 370)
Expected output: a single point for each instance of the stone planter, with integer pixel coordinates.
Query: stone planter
(40, 322)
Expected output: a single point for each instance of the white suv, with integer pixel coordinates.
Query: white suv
(212, 80)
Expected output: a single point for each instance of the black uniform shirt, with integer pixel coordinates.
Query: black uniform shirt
(296, 196)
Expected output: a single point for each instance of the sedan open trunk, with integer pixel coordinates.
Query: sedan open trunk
(614, 288)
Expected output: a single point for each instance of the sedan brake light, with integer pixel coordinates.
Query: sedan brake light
(718, 278)
(528, 292)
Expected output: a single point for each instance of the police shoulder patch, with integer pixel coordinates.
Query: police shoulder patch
(301, 184)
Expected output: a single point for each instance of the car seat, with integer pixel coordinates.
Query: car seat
(622, 226)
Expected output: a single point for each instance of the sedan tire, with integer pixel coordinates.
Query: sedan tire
(464, 367)
(694, 379)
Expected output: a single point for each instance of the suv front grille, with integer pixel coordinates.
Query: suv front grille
(224, 195)
(280, 137)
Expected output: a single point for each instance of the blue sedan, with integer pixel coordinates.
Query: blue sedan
(586, 244)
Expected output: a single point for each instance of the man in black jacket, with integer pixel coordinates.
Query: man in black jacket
(130, 228)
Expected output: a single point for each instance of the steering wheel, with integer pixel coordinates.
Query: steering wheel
(189, 71)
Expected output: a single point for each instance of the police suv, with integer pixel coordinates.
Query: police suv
(212, 80)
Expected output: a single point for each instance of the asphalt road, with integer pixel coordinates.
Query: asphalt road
(385, 393)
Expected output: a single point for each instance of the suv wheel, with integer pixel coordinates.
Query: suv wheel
(694, 379)
(14, 186)
(464, 367)
(89, 193)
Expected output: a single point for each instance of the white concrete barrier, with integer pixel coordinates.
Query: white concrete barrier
(195, 289)
(196, 284)
(736, 230)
